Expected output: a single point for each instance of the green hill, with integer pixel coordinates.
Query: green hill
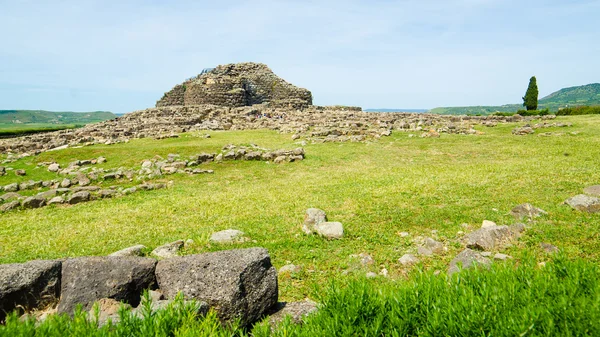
(573, 96)
(53, 117)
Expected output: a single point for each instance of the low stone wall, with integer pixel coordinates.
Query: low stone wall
(239, 283)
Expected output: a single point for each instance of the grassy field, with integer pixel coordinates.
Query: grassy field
(376, 189)
(13, 130)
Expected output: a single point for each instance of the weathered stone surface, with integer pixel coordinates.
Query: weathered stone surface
(28, 285)
(312, 218)
(408, 259)
(228, 236)
(10, 196)
(488, 223)
(584, 203)
(168, 250)
(527, 211)
(592, 190)
(297, 311)
(88, 279)
(48, 194)
(490, 238)
(9, 206)
(53, 167)
(434, 246)
(330, 230)
(20, 172)
(237, 283)
(130, 251)
(34, 202)
(65, 183)
(77, 197)
(14, 187)
(467, 259)
(522, 131)
(56, 200)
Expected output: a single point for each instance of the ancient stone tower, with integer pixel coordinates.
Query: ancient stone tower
(235, 85)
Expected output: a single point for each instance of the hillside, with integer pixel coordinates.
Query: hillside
(573, 96)
(53, 117)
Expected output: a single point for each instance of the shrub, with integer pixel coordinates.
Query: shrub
(579, 110)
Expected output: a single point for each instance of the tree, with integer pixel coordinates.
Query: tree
(530, 101)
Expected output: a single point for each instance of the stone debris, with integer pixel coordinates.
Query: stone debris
(408, 259)
(487, 223)
(584, 203)
(289, 269)
(312, 218)
(466, 259)
(330, 230)
(168, 250)
(527, 211)
(592, 190)
(229, 236)
(522, 131)
(136, 250)
(490, 238)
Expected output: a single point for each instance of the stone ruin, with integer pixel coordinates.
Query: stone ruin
(237, 85)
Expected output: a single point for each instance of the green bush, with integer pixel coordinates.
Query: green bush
(543, 112)
(512, 299)
(579, 110)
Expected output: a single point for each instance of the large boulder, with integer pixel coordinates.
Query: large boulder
(30, 285)
(584, 203)
(89, 279)
(237, 283)
(489, 238)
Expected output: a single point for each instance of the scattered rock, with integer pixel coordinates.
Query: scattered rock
(169, 250)
(88, 279)
(330, 230)
(28, 285)
(522, 131)
(20, 172)
(408, 259)
(228, 236)
(489, 238)
(65, 183)
(502, 257)
(34, 202)
(56, 200)
(592, 190)
(434, 246)
(527, 210)
(296, 310)
(312, 218)
(10, 195)
(488, 223)
(289, 269)
(237, 283)
(77, 197)
(10, 206)
(53, 167)
(467, 259)
(549, 248)
(584, 203)
(130, 251)
(14, 187)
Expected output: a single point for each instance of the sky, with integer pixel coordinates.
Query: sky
(121, 56)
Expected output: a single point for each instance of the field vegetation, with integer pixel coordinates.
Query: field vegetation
(428, 187)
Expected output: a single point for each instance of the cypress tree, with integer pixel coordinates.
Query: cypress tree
(530, 101)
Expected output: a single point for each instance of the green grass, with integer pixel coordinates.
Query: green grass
(375, 189)
(560, 299)
(13, 130)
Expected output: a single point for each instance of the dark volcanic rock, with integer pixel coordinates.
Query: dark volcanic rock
(28, 285)
(237, 283)
(88, 279)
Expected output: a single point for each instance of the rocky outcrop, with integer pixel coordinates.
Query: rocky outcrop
(235, 85)
(30, 285)
(239, 283)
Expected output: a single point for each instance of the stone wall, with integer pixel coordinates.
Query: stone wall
(237, 85)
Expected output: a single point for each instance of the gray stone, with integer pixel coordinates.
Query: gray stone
(549, 248)
(467, 259)
(129, 190)
(48, 194)
(434, 246)
(88, 279)
(502, 257)
(168, 250)
(28, 285)
(527, 211)
(297, 311)
(101, 160)
(65, 183)
(14, 187)
(77, 197)
(312, 218)
(280, 159)
(228, 236)
(424, 251)
(488, 223)
(10, 206)
(20, 172)
(584, 203)
(83, 180)
(106, 193)
(53, 167)
(592, 190)
(490, 238)
(289, 269)
(408, 259)
(86, 188)
(130, 251)
(34, 202)
(330, 230)
(10, 195)
(236, 283)
(56, 200)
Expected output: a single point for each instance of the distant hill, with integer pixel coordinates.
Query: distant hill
(53, 117)
(573, 96)
(395, 110)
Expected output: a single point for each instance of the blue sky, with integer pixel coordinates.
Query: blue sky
(123, 55)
